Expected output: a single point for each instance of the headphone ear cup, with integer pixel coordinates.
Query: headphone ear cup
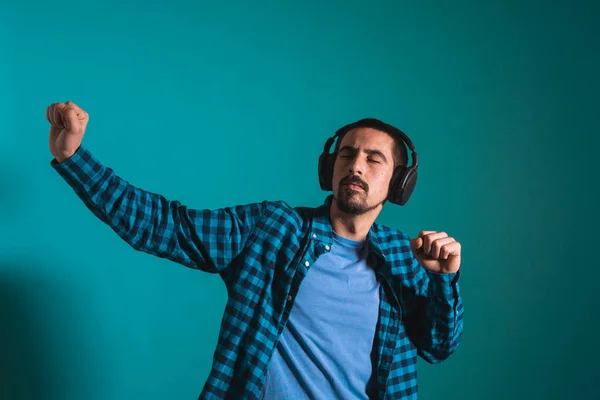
(326, 162)
(402, 185)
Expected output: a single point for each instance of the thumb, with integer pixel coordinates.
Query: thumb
(416, 243)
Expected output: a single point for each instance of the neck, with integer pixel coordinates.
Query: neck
(353, 227)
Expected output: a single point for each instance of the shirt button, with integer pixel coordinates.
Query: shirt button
(314, 235)
(306, 263)
(289, 297)
(327, 247)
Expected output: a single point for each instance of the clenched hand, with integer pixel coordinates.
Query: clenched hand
(67, 127)
(436, 251)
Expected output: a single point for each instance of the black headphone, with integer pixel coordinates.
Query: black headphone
(404, 177)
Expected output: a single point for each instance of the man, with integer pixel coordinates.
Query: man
(323, 303)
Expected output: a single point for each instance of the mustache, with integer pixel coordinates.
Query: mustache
(354, 180)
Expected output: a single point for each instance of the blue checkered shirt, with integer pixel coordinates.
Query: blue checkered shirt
(262, 252)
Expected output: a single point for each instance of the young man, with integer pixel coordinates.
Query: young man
(323, 303)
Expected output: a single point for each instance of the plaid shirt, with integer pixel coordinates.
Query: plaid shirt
(262, 252)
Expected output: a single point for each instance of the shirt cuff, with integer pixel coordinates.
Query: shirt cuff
(444, 285)
(81, 168)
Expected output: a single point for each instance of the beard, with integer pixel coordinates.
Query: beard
(353, 202)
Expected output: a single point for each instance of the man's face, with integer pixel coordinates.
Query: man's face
(363, 170)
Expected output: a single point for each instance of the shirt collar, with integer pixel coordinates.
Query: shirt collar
(322, 229)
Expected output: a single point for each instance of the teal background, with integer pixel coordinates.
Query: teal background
(217, 105)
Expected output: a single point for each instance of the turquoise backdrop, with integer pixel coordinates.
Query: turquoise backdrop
(230, 103)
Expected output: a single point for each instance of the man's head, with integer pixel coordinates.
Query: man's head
(366, 157)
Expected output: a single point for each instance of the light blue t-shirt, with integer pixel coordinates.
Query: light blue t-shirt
(324, 352)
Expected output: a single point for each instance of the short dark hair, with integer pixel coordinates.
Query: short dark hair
(399, 151)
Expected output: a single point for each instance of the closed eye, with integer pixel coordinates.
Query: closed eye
(375, 156)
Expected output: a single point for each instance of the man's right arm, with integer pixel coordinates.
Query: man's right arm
(205, 239)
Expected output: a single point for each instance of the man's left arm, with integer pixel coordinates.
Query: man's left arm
(433, 308)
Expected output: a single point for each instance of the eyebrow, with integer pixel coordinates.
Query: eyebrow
(368, 151)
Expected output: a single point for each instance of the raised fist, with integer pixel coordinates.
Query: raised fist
(67, 127)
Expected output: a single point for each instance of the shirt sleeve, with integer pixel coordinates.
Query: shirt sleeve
(197, 238)
(432, 310)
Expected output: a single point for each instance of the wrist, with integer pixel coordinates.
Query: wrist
(64, 156)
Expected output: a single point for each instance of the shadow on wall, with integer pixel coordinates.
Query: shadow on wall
(42, 350)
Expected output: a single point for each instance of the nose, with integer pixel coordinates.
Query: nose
(357, 166)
